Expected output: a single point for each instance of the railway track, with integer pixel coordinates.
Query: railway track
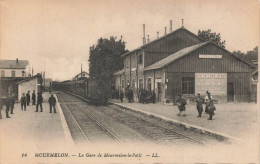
(88, 127)
(154, 129)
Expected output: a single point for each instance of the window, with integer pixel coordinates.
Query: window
(140, 83)
(23, 74)
(140, 59)
(2, 73)
(149, 84)
(13, 73)
(188, 85)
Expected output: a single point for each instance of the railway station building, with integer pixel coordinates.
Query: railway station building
(181, 63)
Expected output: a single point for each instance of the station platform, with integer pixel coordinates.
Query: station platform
(235, 120)
(28, 132)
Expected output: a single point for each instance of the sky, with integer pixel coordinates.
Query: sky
(55, 35)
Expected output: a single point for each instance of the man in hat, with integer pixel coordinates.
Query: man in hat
(2, 104)
(181, 105)
(208, 96)
(28, 97)
(211, 108)
(23, 102)
(12, 102)
(199, 101)
(33, 97)
(121, 96)
(39, 101)
(52, 103)
(7, 105)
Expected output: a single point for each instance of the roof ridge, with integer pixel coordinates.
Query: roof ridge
(162, 37)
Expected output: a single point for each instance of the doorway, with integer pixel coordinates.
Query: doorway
(230, 92)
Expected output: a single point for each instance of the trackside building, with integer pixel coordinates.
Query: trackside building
(182, 63)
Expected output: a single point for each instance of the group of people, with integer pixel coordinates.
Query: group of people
(9, 102)
(208, 101)
(25, 100)
(144, 96)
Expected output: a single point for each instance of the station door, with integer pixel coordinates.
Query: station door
(230, 92)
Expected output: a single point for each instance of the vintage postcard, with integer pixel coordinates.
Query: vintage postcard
(129, 81)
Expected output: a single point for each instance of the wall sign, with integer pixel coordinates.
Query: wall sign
(206, 56)
(215, 83)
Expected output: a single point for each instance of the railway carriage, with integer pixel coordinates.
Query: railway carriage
(79, 87)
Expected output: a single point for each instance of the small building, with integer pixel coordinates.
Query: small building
(82, 74)
(182, 63)
(12, 71)
(31, 84)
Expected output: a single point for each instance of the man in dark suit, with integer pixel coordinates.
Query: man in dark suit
(39, 101)
(199, 101)
(28, 97)
(52, 103)
(12, 99)
(23, 102)
(8, 105)
(2, 104)
(33, 97)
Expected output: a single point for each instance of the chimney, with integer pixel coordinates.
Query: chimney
(81, 70)
(157, 34)
(182, 23)
(17, 60)
(165, 30)
(144, 39)
(148, 40)
(170, 25)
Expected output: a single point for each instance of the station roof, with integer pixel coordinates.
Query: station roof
(173, 57)
(13, 64)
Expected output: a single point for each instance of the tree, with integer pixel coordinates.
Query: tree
(207, 35)
(249, 56)
(104, 60)
(253, 55)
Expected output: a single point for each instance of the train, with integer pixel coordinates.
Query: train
(93, 90)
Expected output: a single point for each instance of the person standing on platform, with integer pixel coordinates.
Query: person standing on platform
(28, 97)
(199, 101)
(39, 101)
(8, 105)
(23, 102)
(33, 97)
(12, 99)
(181, 105)
(52, 103)
(208, 96)
(2, 103)
(131, 94)
(211, 108)
(121, 96)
